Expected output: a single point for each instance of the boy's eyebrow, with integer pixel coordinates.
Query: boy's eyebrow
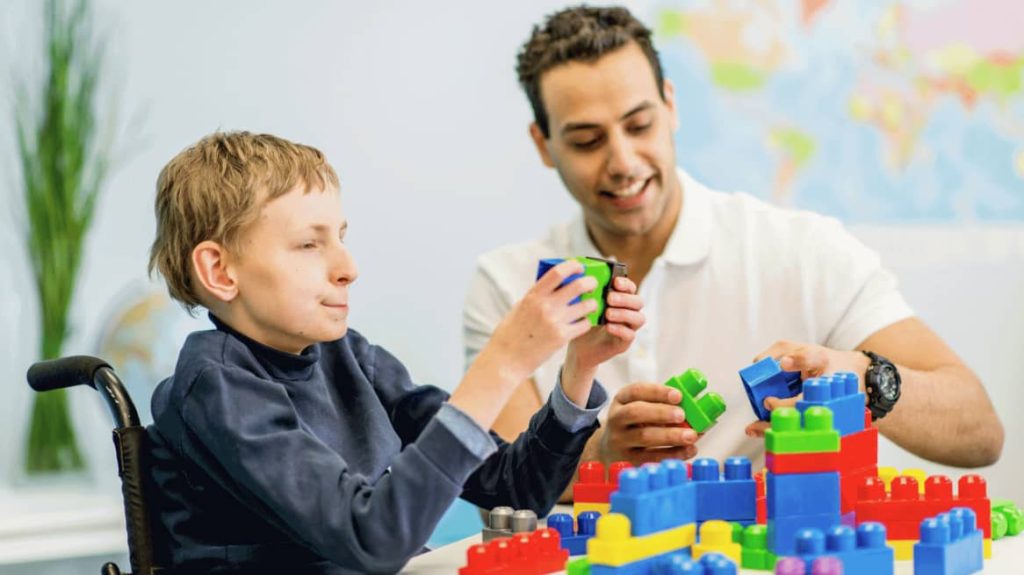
(324, 228)
(573, 126)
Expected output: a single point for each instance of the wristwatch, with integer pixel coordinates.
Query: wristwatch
(882, 385)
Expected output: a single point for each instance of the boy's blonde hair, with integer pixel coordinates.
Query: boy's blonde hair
(215, 188)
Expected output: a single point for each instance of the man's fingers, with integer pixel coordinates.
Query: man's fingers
(624, 300)
(624, 285)
(632, 319)
(757, 428)
(811, 361)
(778, 349)
(639, 457)
(658, 436)
(646, 413)
(649, 392)
(773, 403)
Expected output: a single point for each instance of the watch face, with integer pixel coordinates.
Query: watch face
(887, 383)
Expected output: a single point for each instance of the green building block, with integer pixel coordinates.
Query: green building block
(755, 553)
(737, 533)
(815, 436)
(1009, 517)
(604, 271)
(579, 566)
(701, 412)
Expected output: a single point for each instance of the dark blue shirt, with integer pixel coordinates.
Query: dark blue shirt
(331, 461)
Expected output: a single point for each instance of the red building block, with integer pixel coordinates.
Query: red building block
(858, 458)
(786, 463)
(525, 554)
(760, 500)
(903, 508)
(593, 486)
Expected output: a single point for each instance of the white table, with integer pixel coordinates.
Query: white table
(1007, 559)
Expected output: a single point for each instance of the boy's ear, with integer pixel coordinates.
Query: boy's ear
(210, 263)
(542, 145)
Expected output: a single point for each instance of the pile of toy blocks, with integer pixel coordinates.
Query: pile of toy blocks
(533, 553)
(904, 507)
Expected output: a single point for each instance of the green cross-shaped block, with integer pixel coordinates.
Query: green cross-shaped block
(701, 412)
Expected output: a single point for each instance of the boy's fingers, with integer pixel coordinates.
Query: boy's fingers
(578, 311)
(575, 289)
(554, 277)
(623, 332)
(650, 392)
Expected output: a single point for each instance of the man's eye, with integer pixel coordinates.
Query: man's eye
(586, 144)
(639, 129)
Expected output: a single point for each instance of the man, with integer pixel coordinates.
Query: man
(723, 276)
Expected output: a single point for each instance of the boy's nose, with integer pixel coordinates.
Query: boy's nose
(344, 270)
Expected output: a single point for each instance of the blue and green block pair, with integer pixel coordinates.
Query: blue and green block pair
(604, 271)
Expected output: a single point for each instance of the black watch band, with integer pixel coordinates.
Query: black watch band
(882, 385)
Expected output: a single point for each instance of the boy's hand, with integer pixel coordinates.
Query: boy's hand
(544, 320)
(623, 317)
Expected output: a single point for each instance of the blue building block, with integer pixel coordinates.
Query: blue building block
(730, 498)
(655, 497)
(782, 530)
(574, 539)
(802, 494)
(766, 379)
(675, 563)
(837, 392)
(951, 544)
(863, 551)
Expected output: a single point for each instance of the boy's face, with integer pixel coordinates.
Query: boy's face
(293, 272)
(611, 139)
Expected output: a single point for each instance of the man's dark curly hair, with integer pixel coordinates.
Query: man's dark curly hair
(579, 34)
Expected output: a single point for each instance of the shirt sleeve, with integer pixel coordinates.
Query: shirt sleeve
(258, 451)
(574, 417)
(857, 296)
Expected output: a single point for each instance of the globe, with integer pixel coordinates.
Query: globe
(141, 340)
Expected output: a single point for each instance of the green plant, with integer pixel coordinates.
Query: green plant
(64, 162)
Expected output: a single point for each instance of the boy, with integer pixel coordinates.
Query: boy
(285, 442)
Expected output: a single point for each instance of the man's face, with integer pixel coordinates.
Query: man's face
(294, 272)
(611, 139)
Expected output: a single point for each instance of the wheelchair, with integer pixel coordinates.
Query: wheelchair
(129, 442)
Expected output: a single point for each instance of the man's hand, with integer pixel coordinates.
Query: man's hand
(811, 361)
(623, 317)
(644, 425)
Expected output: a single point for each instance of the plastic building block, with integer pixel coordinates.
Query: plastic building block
(604, 271)
(592, 485)
(858, 458)
(790, 566)
(574, 539)
(803, 494)
(505, 522)
(887, 474)
(766, 379)
(802, 462)
(716, 537)
(838, 392)
(755, 553)
(579, 566)
(951, 544)
(656, 497)
(613, 545)
(761, 503)
(860, 551)
(731, 497)
(786, 435)
(903, 508)
(676, 563)
(1008, 517)
(782, 530)
(524, 554)
(701, 412)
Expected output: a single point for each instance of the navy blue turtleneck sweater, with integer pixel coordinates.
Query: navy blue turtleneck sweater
(331, 461)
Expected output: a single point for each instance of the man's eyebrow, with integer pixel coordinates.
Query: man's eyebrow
(574, 126)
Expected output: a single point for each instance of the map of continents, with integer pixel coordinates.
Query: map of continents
(873, 112)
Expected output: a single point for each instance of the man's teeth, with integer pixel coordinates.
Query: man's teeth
(630, 191)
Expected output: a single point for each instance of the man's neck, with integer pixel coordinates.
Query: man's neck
(639, 251)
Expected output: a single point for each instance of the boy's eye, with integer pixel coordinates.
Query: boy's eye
(308, 245)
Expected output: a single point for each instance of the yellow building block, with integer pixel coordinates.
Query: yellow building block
(903, 549)
(580, 507)
(887, 474)
(612, 544)
(986, 548)
(716, 537)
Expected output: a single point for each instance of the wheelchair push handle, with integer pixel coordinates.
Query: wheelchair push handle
(64, 372)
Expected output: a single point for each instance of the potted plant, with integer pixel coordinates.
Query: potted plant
(64, 159)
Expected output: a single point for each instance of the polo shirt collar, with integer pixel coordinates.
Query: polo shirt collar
(690, 242)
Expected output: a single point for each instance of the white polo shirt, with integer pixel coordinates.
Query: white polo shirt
(737, 275)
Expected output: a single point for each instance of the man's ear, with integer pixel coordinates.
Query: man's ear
(542, 145)
(670, 103)
(210, 264)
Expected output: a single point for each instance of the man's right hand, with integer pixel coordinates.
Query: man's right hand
(644, 425)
